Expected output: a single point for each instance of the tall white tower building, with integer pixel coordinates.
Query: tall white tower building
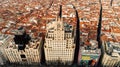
(59, 42)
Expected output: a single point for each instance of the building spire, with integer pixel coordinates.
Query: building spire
(59, 16)
(59, 19)
(60, 13)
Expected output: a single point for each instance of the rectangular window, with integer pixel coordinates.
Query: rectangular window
(23, 56)
(24, 60)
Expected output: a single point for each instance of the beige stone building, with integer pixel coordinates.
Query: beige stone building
(111, 55)
(30, 55)
(59, 42)
(4, 41)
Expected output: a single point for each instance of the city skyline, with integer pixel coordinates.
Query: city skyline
(70, 33)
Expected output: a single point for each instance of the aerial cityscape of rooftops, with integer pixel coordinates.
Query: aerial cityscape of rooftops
(59, 33)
